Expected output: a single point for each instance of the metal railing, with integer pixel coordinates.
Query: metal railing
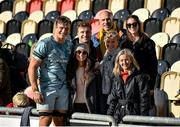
(7, 110)
(150, 120)
(96, 119)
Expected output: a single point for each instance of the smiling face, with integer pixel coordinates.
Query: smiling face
(125, 62)
(61, 31)
(106, 21)
(81, 55)
(84, 34)
(132, 26)
(111, 44)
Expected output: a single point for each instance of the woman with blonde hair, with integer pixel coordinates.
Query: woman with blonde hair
(130, 93)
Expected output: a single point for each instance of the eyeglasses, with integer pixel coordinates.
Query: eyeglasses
(83, 52)
(132, 24)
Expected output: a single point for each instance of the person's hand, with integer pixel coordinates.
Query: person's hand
(38, 97)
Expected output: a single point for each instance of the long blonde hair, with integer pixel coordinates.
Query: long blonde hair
(117, 68)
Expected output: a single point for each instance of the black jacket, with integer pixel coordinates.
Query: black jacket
(91, 92)
(132, 98)
(145, 54)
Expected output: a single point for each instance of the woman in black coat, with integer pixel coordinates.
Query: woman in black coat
(130, 92)
(142, 47)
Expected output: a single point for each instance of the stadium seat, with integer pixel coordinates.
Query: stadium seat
(133, 5)
(52, 15)
(35, 5)
(2, 37)
(176, 13)
(19, 5)
(171, 4)
(116, 5)
(45, 36)
(121, 14)
(119, 23)
(82, 5)
(161, 68)
(28, 27)
(171, 53)
(175, 66)
(71, 14)
(6, 5)
(171, 25)
(142, 13)
(160, 13)
(152, 26)
(13, 39)
(30, 39)
(160, 40)
(175, 38)
(152, 5)
(98, 5)
(66, 5)
(21, 16)
(13, 26)
(86, 15)
(170, 84)
(45, 26)
(6, 16)
(37, 16)
(2, 26)
(49, 5)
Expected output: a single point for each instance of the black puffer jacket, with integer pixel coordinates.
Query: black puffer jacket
(132, 98)
(145, 54)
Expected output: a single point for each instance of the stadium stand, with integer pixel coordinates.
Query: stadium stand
(175, 38)
(160, 40)
(171, 25)
(6, 5)
(35, 5)
(152, 26)
(151, 6)
(21, 16)
(13, 26)
(66, 5)
(160, 13)
(37, 16)
(6, 16)
(133, 5)
(82, 5)
(19, 5)
(175, 66)
(170, 84)
(115, 5)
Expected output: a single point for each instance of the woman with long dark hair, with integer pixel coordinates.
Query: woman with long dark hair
(143, 49)
(83, 82)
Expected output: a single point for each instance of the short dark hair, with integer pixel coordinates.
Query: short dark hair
(63, 20)
(84, 24)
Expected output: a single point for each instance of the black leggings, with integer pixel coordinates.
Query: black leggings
(80, 107)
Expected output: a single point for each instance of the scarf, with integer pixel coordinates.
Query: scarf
(124, 76)
(101, 35)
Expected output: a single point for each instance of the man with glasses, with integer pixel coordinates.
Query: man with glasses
(48, 65)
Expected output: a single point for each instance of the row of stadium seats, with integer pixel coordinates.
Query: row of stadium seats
(80, 5)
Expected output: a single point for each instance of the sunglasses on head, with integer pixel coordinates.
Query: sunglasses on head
(83, 52)
(131, 24)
